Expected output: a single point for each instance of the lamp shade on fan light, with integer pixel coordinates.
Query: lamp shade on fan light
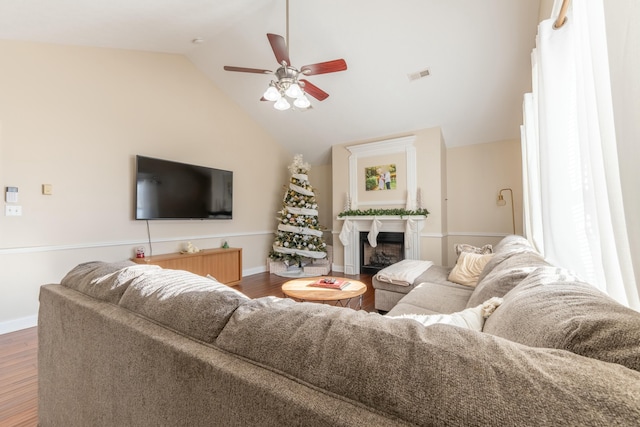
(271, 94)
(282, 104)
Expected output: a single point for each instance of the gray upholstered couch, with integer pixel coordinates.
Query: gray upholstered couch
(432, 292)
(135, 345)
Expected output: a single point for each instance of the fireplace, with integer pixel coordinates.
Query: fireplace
(389, 250)
(407, 225)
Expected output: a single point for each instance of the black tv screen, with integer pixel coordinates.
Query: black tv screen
(172, 190)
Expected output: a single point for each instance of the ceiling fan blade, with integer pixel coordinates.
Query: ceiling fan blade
(247, 70)
(313, 90)
(279, 46)
(324, 67)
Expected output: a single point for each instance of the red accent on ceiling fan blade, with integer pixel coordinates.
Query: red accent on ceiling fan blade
(279, 46)
(315, 91)
(324, 67)
(247, 70)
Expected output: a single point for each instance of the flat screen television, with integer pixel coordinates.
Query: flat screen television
(173, 190)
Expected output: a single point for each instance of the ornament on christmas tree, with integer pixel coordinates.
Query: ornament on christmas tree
(299, 235)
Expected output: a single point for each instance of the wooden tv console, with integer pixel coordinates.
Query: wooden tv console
(223, 264)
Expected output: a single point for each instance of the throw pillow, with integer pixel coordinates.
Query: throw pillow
(469, 318)
(468, 268)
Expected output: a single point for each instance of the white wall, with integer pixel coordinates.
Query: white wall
(75, 117)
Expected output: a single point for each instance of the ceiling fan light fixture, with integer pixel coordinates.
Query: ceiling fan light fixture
(271, 94)
(290, 84)
(294, 91)
(302, 102)
(282, 104)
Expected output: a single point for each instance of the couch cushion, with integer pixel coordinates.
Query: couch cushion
(504, 272)
(431, 298)
(436, 375)
(470, 318)
(194, 305)
(103, 280)
(552, 308)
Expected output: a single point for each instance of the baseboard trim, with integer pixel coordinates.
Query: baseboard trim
(18, 324)
(254, 270)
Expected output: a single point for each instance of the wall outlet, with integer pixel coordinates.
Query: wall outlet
(13, 210)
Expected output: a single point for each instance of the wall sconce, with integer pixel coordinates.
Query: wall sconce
(502, 202)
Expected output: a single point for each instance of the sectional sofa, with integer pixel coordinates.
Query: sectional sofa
(137, 345)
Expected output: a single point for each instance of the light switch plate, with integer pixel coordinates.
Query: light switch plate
(13, 210)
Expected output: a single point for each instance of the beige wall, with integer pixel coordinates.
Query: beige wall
(75, 118)
(475, 175)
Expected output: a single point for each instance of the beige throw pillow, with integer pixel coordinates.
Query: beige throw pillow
(468, 268)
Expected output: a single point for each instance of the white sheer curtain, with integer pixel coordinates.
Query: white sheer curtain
(572, 196)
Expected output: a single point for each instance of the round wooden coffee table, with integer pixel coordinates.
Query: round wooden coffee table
(302, 290)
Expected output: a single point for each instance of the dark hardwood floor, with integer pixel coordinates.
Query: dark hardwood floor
(19, 357)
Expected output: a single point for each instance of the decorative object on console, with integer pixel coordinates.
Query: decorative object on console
(468, 268)
(299, 235)
(140, 252)
(190, 249)
(288, 83)
(502, 202)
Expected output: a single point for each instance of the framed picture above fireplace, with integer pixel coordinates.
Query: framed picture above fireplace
(380, 177)
(392, 159)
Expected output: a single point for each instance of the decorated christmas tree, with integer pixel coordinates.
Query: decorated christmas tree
(299, 235)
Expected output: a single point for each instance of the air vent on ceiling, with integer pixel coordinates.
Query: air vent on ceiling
(419, 74)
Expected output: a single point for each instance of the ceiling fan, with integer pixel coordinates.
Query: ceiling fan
(290, 82)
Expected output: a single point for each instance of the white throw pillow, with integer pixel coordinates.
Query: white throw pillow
(468, 268)
(470, 318)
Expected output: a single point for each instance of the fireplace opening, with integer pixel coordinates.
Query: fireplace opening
(389, 250)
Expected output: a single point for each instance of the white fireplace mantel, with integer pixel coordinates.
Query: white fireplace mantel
(410, 225)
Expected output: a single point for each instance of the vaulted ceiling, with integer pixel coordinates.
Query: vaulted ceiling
(477, 53)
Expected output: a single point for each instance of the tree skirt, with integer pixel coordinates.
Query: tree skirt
(296, 273)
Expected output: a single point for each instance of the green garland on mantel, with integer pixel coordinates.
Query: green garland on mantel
(382, 212)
